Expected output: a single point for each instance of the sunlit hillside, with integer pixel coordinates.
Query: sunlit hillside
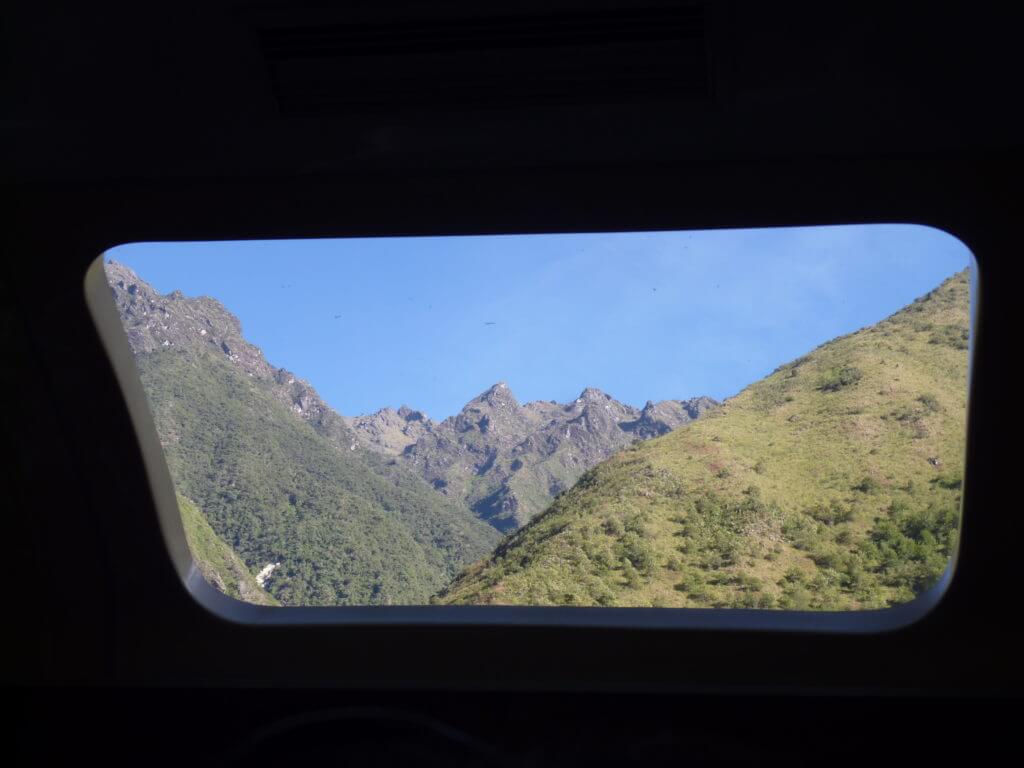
(833, 483)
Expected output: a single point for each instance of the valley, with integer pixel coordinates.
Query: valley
(832, 484)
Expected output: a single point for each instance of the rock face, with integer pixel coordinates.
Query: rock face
(154, 321)
(508, 460)
(658, 418)
(389, 431)
(503, 459)
(275, 475)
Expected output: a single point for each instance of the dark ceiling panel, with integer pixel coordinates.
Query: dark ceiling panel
(601, 56)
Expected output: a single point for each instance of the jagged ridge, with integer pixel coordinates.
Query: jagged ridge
(275, 470)
(507, 460)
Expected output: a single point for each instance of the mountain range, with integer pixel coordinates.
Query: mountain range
(272, 468)
(374, 509)
(507, 460)
(832, 484)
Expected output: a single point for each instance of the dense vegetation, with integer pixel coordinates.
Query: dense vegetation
(348, 527)
(833, 483)
(219, 565)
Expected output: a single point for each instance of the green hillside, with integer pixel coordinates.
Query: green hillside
(219, 565)
(347, 527)
(833, 483)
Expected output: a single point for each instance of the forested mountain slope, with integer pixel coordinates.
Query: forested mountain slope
(276, 471)
(220, 565)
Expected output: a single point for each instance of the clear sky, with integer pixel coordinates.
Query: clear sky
(432, 322)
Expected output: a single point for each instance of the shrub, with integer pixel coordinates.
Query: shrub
(831, 513)
(748, 583)
(632, 576)
(948, 480)
(830, 557)
(903, 413)
(637, 553)
(613, 527)
(955, 336)
(635, 524)
(795, 597)
(867, 485)
(930, 402)
(794, 575)
(792, 367)
(692, 583)
(838, 378)
(803, 532)
(909, 550)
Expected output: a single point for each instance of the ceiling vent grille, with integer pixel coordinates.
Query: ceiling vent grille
(608, 56)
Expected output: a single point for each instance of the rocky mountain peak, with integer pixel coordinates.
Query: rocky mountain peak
(508, 460)
(698, 406)
(503, 459)
(123, 280)
(658, 418)
(408, 414)
(389, 431)
(174, 322)
(593, 395)
(497, 396)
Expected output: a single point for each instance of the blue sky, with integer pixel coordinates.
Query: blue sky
(376, 322)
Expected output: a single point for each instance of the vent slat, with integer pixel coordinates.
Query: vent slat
(483, 34)
(559, 58)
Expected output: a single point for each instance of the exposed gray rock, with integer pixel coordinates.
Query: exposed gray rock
(504, 459)
(508, 461)
(388, 431)
(174, 321)
(658, 418)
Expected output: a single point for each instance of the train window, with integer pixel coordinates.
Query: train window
(767, 419)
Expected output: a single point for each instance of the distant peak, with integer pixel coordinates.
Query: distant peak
(500, 388)
(117, 266)
(497, 394)
(115, 271)
(593, 393)
(409, 414)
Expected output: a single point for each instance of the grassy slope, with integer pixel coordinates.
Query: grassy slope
(810, 489)
(348, 528)
(219, 565)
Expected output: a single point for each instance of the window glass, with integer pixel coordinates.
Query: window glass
(766, 418)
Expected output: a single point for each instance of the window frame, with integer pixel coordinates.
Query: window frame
(115, 343)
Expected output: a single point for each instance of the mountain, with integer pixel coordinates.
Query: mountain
(833, 483)
(389, 431)
(218, 563)
(156, 323)
(278, 474)
(507, 461)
